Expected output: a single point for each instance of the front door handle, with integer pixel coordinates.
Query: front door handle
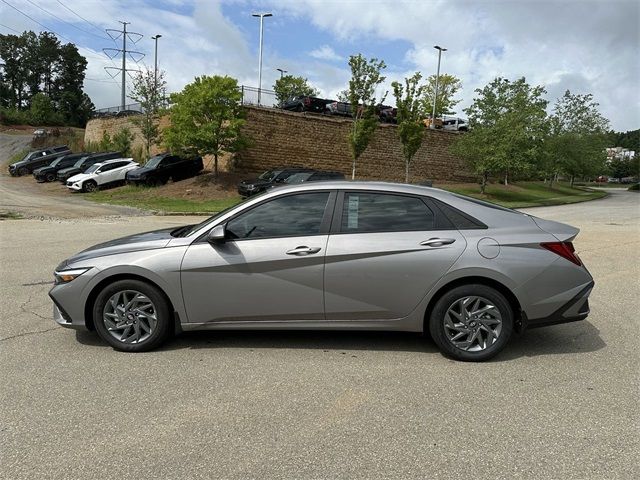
(437, 242)
(303, 250)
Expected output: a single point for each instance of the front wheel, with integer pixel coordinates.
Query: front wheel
(90, 186)
(50, 177)
(471, 323)
(23, 171)
(132, 316)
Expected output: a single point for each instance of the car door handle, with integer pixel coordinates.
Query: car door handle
(303, 250)
(437, 242)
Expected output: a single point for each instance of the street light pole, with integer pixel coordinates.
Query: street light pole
(155, 69)
(435, 96)
(282, 72)
(261, 16)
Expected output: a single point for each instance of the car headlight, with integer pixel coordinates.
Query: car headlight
(66, 276)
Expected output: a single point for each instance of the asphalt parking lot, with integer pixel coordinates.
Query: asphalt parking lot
(560, 402)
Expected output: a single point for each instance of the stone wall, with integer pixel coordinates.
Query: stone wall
(289, 138)
(280, 138)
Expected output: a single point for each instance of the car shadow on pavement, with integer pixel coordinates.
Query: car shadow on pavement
(562, 339)
(305, 340)
(578, 337)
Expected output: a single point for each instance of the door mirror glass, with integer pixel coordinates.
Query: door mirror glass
(216, 234)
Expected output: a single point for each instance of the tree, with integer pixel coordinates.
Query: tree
(40, 63)
(410, 106)
(578, 137)
(365, 79)
(508, 127)
(289, 86)
(150, 92)
(121, 141)
(42, 111)
(622, 166)
(206, 117)
(448, 86)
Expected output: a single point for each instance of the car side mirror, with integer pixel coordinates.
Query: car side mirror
(217, 234)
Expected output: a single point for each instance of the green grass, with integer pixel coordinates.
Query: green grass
(520, 195)
(146, 198)
(16, 157)
(9, 215)
(527, 194)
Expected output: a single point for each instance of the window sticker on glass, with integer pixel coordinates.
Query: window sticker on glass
(352, 212)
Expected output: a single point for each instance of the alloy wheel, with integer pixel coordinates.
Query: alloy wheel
(130, 316)
(472, 323)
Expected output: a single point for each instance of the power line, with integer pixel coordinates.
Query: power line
(49, 29)
(34, 20)
(64, 21)
(80, 17)
(9, 28)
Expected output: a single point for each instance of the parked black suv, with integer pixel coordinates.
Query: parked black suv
(160, 168)
(247, 188)
(306, 104)
(318, 176)
(37, 159)
(314, 176)
(49, 172)
(85, 162)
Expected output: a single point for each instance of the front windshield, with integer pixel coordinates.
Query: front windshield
(153, 161)
(268, 175)
(92, 168)
(297, 178)
(56, 162)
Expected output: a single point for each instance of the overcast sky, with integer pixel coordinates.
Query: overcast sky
(581, 45)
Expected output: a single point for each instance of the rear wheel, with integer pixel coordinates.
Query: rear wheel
(90, 186)
(132, 316)
(471, 322)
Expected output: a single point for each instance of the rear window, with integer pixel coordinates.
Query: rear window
(485, 204)
(460, 220)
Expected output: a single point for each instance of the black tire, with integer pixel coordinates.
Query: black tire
(50, 177)
(442, 337)
(89, 186)
(23, 171)
(162, 329)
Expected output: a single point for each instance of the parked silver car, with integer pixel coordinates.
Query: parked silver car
(334, 256)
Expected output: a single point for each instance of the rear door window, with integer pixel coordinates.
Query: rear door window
(365, 212)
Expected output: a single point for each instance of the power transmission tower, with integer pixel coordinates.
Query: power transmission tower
(114, 52)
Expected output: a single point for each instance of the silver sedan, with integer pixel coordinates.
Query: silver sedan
(334, 256)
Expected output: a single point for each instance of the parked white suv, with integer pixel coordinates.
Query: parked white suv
(102, 174)
(456, 124)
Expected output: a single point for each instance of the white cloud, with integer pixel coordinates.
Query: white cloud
(587, 46)
(325, 52)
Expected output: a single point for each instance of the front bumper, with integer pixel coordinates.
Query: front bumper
(574, 310)
(245, 192)
(74, 186)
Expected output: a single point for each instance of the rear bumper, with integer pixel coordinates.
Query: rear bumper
(574, 310)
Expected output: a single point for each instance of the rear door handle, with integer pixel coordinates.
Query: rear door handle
(437, 242)
(303, 250)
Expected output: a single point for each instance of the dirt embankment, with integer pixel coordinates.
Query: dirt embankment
(23, 196)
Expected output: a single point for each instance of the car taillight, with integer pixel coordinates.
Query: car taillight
(564, 249)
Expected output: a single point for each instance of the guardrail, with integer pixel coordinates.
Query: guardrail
(250, 96)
